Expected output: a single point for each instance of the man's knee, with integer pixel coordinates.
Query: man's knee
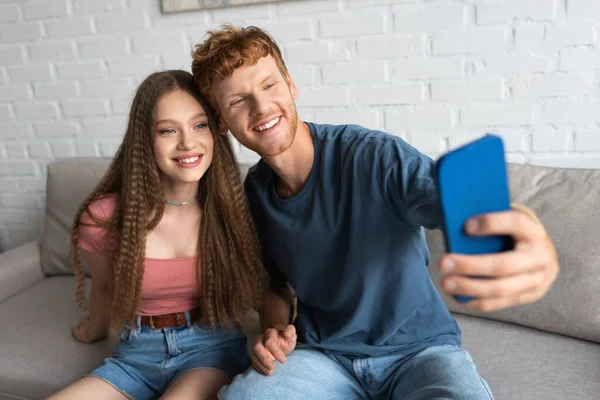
(250, 385)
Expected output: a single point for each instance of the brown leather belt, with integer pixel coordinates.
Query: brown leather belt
(169, 320)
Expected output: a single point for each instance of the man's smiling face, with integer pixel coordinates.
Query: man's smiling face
(257, 104)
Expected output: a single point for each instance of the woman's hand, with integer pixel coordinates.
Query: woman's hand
(85, 332)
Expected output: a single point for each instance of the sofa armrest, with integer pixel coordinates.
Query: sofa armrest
(19, 269)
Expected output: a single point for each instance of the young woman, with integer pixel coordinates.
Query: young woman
(173, 253)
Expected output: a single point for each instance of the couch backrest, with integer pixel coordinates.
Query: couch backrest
(69, 182)
(567, 201)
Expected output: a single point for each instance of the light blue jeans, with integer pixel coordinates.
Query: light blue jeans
(438, 372)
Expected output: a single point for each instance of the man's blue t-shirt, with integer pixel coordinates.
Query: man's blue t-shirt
(351, 244)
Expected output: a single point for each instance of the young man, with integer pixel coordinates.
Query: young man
(340, 211)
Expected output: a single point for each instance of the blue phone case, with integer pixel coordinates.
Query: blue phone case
(472, 180)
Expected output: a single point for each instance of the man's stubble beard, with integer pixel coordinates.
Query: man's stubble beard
(289, 137)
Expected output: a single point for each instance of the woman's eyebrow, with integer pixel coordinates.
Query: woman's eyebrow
(195, 116)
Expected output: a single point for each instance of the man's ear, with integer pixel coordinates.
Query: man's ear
(222, 127)
(292, 86)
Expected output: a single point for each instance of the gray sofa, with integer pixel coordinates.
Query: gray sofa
(547, 350)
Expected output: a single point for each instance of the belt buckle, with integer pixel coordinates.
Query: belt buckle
(151, 322)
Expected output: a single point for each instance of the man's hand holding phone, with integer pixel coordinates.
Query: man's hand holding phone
(518, 276)
(485, 237)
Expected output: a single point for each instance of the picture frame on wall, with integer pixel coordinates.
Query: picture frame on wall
(174, 6)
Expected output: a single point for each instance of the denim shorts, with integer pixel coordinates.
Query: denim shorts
(146, 361)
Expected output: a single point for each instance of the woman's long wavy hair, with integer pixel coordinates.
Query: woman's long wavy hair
(230, 263)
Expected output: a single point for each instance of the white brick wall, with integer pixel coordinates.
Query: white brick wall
(475, 90)
(20, 32)
(11, 55)
(30, 73)
(44, 52)
(407, 120)
(9, 13)
(501, 11)
(76, 26)
(33, 111)
(80, 70)
(351, 24)
(45, 9)
(435, 72)
(352, 72)
(55, 90)
(429, 17)
(113, 46)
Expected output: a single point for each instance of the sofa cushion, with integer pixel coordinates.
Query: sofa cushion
(567, 201)
(523, 363)
(69, 182)
(39, 356)
(19, 268)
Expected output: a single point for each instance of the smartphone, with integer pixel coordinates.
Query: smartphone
(472, 180)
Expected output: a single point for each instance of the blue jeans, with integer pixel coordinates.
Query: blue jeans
(146, 361)
(438, 372)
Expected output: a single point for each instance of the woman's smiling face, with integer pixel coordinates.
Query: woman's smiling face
(183, 142)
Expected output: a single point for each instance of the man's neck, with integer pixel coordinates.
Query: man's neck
(293, 166)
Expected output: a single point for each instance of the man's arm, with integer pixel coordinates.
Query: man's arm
(405, 179)
(277, 309)
(522, 275)
(278, 338)
(278, 335)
